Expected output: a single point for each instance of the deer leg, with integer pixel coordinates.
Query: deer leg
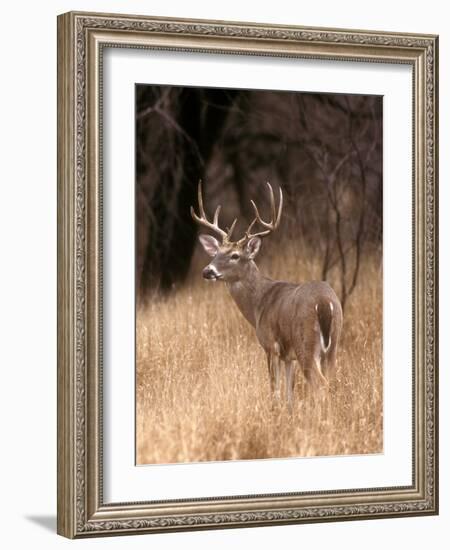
(276, 369)
(311, 376)
(290, 381)
(270, 367)
(276, 375)
(273, 365)
(329, 361)
(318, 365)
(313, 373)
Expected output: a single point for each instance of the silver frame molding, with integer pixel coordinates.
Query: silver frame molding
(81, 39)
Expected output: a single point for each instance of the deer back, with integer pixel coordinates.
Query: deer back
(288, 313)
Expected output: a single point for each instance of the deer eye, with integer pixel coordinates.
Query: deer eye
(234, 256)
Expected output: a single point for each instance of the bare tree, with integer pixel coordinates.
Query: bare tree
(176, 129)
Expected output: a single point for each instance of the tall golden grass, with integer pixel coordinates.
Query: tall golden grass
(202, 387)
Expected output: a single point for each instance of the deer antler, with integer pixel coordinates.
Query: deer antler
(270, 226)
(214, 225)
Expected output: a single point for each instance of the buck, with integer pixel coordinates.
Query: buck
(294, 323)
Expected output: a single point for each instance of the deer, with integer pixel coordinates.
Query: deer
(295, 324)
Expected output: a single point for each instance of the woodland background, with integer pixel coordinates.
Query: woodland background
(325, 150)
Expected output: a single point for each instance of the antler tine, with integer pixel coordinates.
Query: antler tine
(231, 229)
(272, 202)
(203, 220)
(259, 220)
(216, 216)
(280, 208)
(270, 226)
(250, 227)
(276, 216)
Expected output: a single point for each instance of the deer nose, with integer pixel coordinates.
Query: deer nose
(209, 273)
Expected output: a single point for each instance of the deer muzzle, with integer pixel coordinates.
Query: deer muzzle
(210, 273)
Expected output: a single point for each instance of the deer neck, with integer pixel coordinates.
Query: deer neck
(248, 290)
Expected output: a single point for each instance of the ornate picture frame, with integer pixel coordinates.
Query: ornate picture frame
(82, 38)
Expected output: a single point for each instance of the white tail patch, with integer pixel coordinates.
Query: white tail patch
(325, 347)
(322, 343)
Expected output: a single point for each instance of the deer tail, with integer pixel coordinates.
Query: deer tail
(324, 310)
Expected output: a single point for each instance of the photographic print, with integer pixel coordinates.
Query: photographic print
(259, 290)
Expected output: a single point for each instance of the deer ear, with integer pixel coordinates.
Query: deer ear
(210, 244)
(252, 247)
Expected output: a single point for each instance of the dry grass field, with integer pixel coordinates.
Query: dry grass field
(202, 383)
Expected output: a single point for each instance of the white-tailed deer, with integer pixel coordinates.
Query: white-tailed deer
(294, 323)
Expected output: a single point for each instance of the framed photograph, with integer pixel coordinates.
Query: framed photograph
(247, 288)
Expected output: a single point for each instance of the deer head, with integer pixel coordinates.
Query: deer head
(232, 258)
